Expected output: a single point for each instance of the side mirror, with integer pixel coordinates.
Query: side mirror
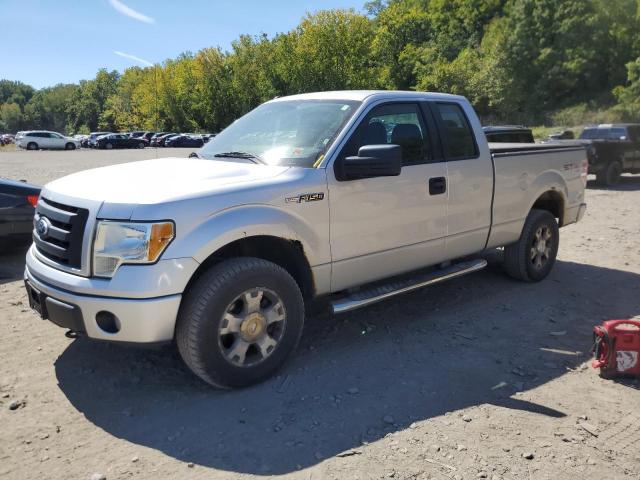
(372, 161)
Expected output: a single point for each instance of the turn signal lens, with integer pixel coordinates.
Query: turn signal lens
(161, 235)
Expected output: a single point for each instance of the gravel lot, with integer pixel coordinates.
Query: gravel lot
(481, 377)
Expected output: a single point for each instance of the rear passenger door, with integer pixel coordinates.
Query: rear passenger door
(389, 225)
(470, 179)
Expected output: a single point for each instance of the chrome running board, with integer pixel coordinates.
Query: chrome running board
(368, 296)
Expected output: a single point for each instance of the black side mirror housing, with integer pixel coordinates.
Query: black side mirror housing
(372, 161)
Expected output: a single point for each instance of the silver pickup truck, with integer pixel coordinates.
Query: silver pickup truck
(356, 196)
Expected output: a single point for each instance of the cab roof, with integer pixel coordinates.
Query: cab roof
(361, 95)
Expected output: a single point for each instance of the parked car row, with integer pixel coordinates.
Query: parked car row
(140, 139)
(172, 139)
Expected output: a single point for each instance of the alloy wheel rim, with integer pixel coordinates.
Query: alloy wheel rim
(251, 327)
(541, 244)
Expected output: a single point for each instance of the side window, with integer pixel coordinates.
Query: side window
(617, 133)
(398, 124)
(458, 136)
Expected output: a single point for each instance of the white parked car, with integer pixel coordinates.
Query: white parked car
(37, 139)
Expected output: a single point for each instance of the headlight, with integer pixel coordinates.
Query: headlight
(117, 243)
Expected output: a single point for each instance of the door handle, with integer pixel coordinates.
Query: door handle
(437, 185)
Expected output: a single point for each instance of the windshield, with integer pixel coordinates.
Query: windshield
(288, 132)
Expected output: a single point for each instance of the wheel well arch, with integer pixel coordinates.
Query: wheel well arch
(553, 202)
(288, 254)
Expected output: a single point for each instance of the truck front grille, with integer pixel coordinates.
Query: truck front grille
(58, 232)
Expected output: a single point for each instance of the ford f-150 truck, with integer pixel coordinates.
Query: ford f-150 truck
(334, 194)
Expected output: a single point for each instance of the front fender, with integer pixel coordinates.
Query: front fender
(244, 221)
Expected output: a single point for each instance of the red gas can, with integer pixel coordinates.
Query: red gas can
(617, 348)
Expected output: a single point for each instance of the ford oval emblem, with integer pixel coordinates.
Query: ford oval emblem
(42, 227)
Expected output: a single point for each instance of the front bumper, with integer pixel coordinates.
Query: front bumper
(149, 320)
(143, 299)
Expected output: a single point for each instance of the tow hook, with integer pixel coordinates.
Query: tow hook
(71, 334)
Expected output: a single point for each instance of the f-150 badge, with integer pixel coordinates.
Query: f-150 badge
(306, 197)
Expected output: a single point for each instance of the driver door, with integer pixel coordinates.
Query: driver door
(389, 225)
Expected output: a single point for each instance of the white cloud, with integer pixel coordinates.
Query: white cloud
(130, 12)
(134, 58)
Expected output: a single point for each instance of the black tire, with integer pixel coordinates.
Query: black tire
(32, 146)
(518, 257)
(610, 175)
(108, 146)
(141, 145)
(200, 319)
(70, 146)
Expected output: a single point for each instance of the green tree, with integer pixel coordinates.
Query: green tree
(47, 108)
(89, 100)
(11, 116)
(628, 96)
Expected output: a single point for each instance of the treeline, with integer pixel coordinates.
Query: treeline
(518, 61)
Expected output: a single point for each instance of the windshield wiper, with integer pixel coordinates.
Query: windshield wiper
(244, 155)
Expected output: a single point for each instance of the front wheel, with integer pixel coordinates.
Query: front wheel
(70, 146)
(532, 257)
(108, 146)
(141, 145)
(239, 322)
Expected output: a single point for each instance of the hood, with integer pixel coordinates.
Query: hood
(159, 180)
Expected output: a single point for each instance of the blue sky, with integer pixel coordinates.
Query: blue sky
(64, 41)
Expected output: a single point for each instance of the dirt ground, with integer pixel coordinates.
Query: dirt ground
(481, 377)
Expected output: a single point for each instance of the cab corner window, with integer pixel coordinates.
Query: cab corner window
(458, 141)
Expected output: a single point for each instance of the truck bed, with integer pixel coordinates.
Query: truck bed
(522, 173)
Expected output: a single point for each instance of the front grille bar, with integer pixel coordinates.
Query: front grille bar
(63, 242)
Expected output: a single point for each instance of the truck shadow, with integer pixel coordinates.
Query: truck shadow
(357, 377)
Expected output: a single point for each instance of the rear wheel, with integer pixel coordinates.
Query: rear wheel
(70, 146)
(239, 322)
(32, 146)
(533, 256)
(610, 175)
(108, 146)
(141, 145)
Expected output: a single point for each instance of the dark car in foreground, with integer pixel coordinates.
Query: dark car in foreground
(508, 134)
(184, 141)
(17, 208)
(120, 140)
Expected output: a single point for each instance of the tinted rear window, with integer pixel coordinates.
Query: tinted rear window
(458, 142)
